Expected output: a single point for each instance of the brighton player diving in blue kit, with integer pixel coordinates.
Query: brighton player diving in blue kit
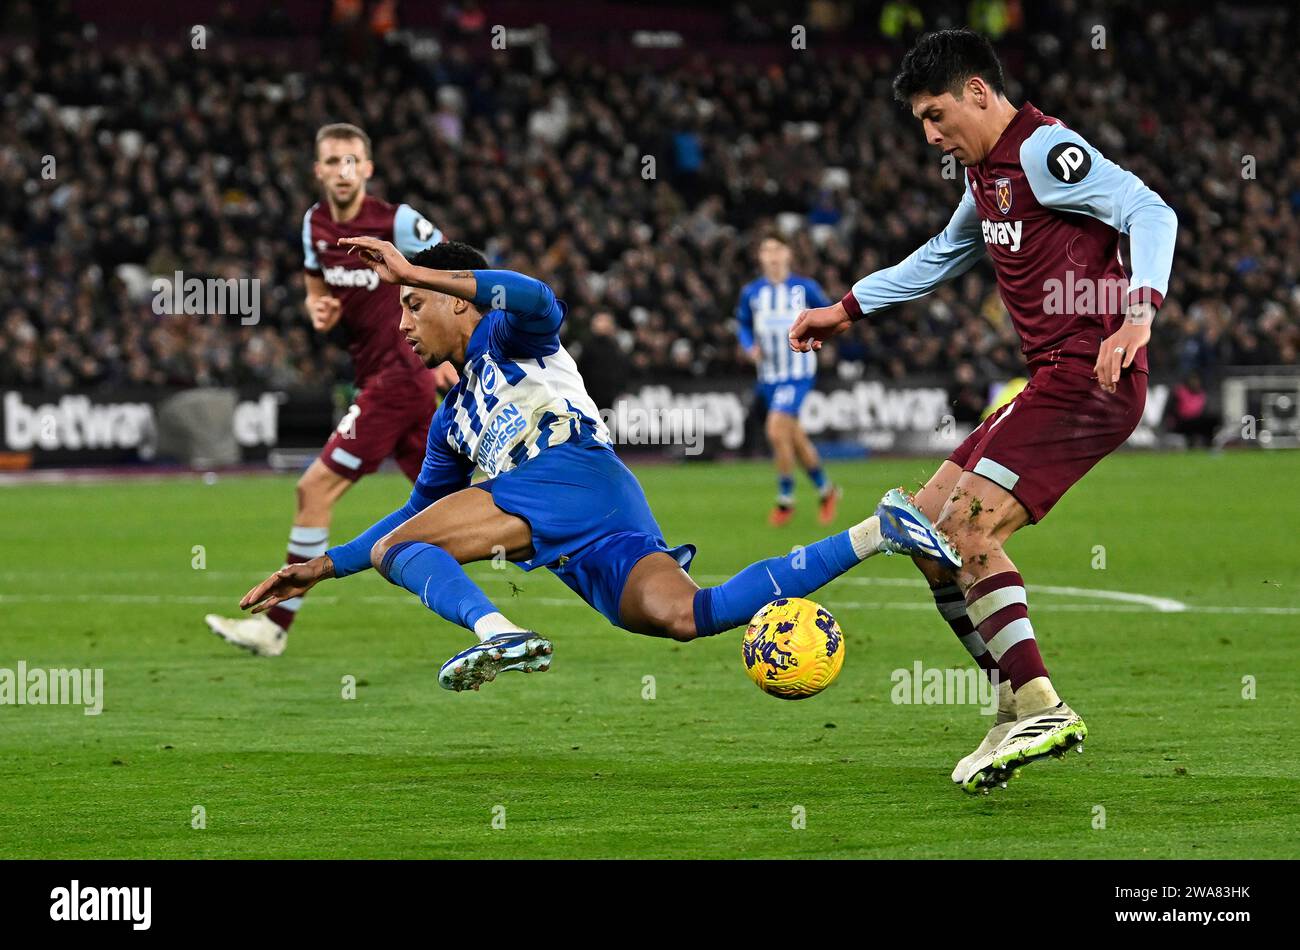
(556, 495)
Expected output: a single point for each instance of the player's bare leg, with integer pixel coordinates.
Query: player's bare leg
(780, 435)
(659, 599)
(424, 555)
(810, 461)
(951, 604)
(266, 634)
(978, 518)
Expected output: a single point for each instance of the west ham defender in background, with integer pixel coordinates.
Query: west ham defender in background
(1048, 209)
(398, 396)
(766, 311)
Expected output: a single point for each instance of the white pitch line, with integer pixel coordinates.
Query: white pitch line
(1161, 604)
(1151, 602)
(1115, 601)
(1116, 607)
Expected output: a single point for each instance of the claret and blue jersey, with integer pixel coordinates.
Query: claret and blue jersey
(765, 313)
(1048, 209)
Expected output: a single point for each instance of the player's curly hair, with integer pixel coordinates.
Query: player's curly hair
(942, 61)
(450, 255)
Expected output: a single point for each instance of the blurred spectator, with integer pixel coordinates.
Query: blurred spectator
(1190, 414)
(131, 161)
(602, 363)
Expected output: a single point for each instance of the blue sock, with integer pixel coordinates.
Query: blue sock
(785, 488)
(798, 574)
(438, 580)
(818, 478)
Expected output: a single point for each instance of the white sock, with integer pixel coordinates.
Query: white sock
(866, 538)
(489, 625)
(1036, 696)
(1006, 702)
(307, 543)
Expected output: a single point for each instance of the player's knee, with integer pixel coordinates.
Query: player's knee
(679, 622)
(379, 550)
(965, 531)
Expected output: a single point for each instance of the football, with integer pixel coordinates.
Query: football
(793, 648)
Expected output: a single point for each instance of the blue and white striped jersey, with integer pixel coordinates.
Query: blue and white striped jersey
(519, 391)
(766, 312)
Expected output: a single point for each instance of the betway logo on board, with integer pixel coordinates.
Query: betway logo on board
(870, 406)
(74, 422)
(864, 407)
(78, 422)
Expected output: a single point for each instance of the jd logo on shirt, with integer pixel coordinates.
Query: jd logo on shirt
(1068, 162)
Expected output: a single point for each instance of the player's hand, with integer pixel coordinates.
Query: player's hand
(445, 376)
(382, 256)
(813, 327)
(325, 313)
(1120, 348)
(755, 354)
(288, 582)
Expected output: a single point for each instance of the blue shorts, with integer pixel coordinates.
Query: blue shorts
(785, 397)
(589, 518)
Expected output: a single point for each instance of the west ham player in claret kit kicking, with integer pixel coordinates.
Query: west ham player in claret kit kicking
(392, 412)
(556, 495)
(1049, 209)
(764, 315)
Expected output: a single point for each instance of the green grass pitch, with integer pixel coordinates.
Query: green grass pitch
(578, 762)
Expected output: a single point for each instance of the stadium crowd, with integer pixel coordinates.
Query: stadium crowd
(637, 192)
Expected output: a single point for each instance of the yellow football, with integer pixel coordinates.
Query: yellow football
(793, 648)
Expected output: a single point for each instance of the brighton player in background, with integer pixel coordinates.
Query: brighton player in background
(556, 495)
(765, 313)
(1049, 210)
(398, 394)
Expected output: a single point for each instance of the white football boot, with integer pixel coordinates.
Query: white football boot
(258, 634)
(1052, 731)
(1005, 717)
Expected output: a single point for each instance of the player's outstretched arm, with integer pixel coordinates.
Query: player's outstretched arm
(530, 305)
(292, 580)
(948, 254)
(393, 268)
(443, 472)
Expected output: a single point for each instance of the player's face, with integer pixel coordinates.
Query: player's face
(773, 257)
(343, 169)
(951, 124)
(431, 324)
